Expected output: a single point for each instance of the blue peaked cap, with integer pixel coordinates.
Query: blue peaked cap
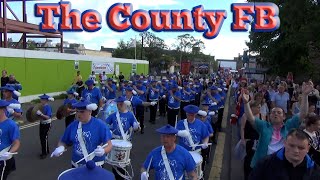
(4, 103)
(191, 109)
(120, 99)
(44, 96)
(90, 171)
(8, 88)
(89, 82)
(167, 129)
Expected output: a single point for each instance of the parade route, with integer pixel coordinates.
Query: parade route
(30, 166)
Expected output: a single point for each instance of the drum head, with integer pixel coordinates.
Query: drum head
(60, 113)
(121, 143)
(196, 157)
(28, 114)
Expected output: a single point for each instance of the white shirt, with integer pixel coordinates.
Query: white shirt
(104, 78)
(92, 77)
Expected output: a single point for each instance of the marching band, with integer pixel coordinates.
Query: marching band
(194, 116)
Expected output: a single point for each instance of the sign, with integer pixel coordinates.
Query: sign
(76, 65)
(117, 70)
(100, 67)
(134, 68)
(185, 68)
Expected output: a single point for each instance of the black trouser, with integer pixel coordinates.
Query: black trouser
(220, 117)
(198, 96)
(193, 102)
(116, 175)
(162, 106)
(69, 119)
(44, 131)
(6, 167)
(205, 156)
(172, 116)
(95, 113)
(140, 115)
(247, 159)
(182, 112)
(153, 113)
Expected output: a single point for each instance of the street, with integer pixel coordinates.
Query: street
(30, 166)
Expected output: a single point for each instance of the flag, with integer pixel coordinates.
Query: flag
(133, 43)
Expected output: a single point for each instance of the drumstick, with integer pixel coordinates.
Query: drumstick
(90, 154)
(14, 153)
(149, 166)
(201, 145)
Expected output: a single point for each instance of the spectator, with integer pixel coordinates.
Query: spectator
(121, 77)
(4, 80)
(281, 99)
(273, 133)
(15, 84)
(77, 78)
(291, 162)
(312, 129)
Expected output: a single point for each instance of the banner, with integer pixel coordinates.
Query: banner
(100, 67)
(185, 68)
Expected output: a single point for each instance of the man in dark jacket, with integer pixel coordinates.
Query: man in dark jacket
(289, 163)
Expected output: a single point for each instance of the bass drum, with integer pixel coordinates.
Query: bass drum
(109, 108)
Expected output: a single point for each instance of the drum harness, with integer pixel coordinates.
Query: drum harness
(189, 138)
(83, 148)
(166, 164)
(125, 136)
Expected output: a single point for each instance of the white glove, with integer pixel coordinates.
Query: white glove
(204, 146)
(14, 106)
(103, 87)
(10, 110)
(179, 87)
(212, 113)
(39, 113)
(153, 103)
(183, 133)
(136, 126)
(58, 151)
(99, 151)
(164, 96)
(144, 176)
(134, 92)
(213, 104)
(5, 156)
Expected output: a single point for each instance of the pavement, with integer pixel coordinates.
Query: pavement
(31, 167)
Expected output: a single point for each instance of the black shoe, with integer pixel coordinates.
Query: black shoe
(142, 131)
(43, 156)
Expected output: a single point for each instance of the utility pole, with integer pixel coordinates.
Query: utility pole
(141, 45)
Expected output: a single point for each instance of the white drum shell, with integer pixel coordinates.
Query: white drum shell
(120, 153)
(198, 159)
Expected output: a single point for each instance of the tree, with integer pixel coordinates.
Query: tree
(288, 48)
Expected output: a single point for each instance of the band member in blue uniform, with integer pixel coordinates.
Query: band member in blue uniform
(193, 131)
(10, 142)
(185, 99)
(12, 113)
(163, 97)
(15, 84)
(110, 89)
(174, 98)
(169, 161)
(122, 122)
(141, 93)
(72, 112)
(92, 94)
(153, 92)
(45, 124)
(87, 134)
(126, 119)
(135, 103)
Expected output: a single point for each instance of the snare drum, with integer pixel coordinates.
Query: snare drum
(120, 153)
(198, 159)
